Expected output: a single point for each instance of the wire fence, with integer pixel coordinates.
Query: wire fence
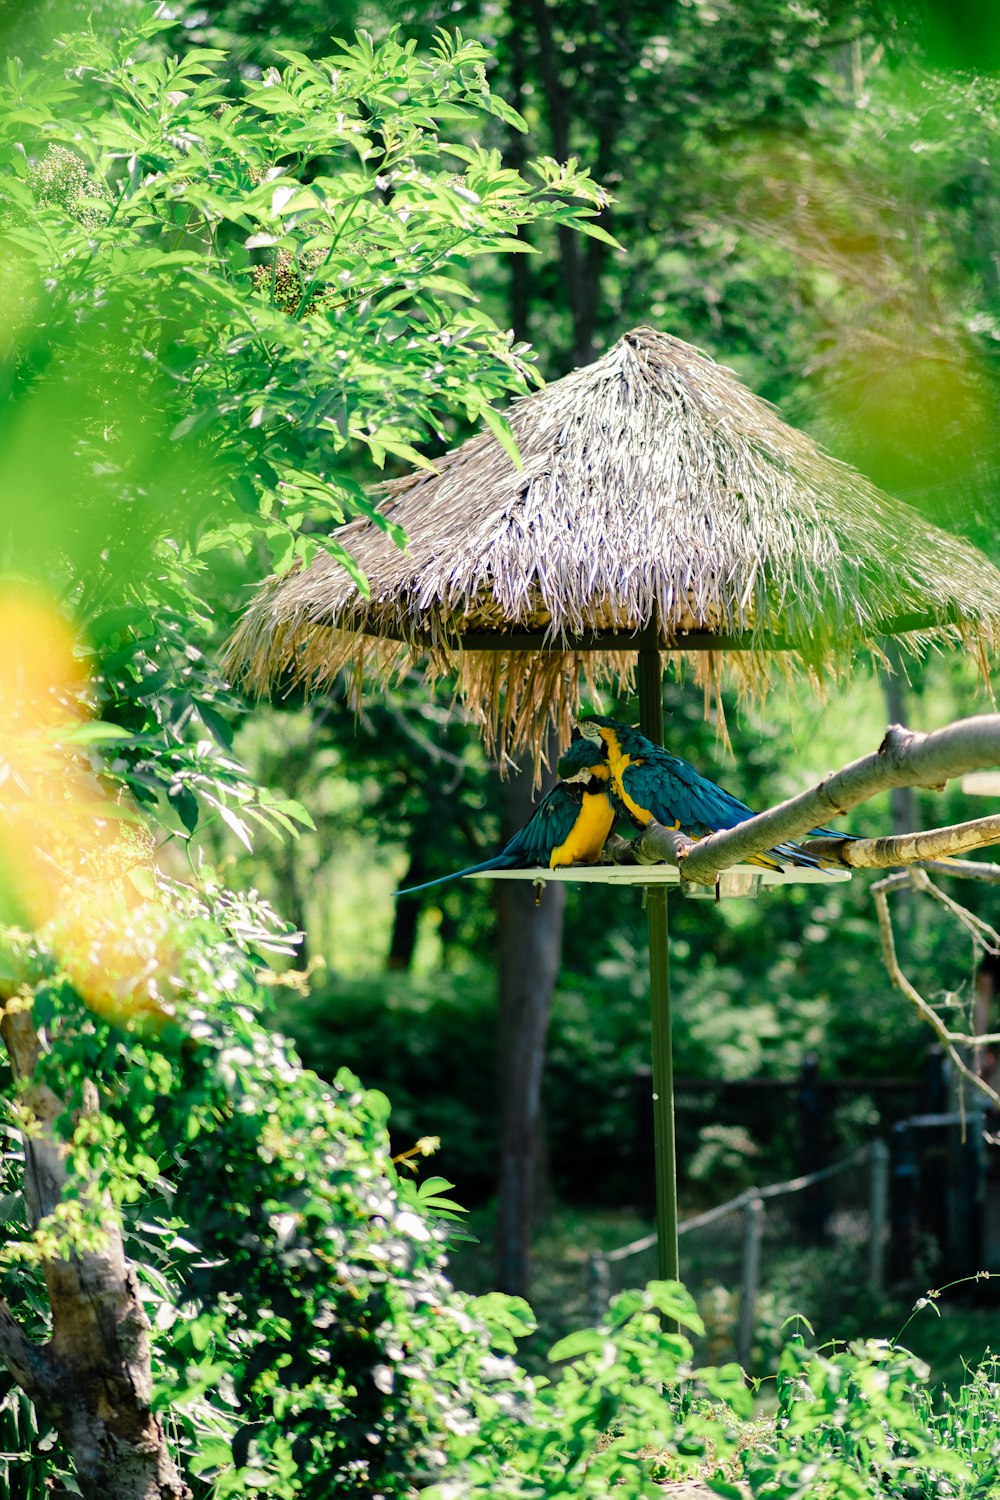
(730, 1254)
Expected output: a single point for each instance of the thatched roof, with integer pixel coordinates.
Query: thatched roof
(656, 491)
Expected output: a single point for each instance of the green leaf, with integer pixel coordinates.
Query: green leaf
(674, 1301)
(506, 112)
(186, 804)
(595, 232)
(501, 430)
(298, 813)
(583, 1341)
(216, 725)
(405, 451)
(335, 549)
(235, 823)
(144, 882)
(93, 732)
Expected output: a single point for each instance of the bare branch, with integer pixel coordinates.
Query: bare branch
(964, 869)
(981, 932)
(659, 845)
(950, 1040)
(908, 848)
(30, 1364)
(903, 759)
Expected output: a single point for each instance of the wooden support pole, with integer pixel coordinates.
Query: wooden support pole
(651, 723)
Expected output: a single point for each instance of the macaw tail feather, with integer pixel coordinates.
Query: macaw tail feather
(793, 854)
(764, 862)
(500, 862)
(782, 855)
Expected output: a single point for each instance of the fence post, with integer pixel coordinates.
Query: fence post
(903, 1186)
(878, 1215)
(812, 1148)
(753, 1230)
(599, 1285)
(935, 1100)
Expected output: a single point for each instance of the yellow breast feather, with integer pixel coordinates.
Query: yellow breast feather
(618, 762)
(586, 837)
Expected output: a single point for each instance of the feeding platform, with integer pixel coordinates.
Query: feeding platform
(737, 881)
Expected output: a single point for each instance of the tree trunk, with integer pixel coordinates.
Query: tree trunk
(293, 900)
(93, 1379)
(406, 915)
(517, 156)
(903, 799)
(530, 950)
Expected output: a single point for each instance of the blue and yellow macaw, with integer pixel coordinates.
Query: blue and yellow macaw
(649, 784)
(567, 827)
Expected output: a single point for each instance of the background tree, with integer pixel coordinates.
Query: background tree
(218, 312)
(799, 191)
(216, 298)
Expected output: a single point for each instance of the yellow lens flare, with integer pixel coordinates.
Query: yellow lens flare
(75, 866)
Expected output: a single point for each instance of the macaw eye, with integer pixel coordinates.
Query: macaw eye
(589, 731)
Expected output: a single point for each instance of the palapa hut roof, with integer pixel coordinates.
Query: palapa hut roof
(656, 492)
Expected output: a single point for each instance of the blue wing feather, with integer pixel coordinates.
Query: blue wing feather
(675, 793)
(549, 826)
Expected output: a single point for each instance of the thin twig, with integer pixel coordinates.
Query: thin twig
(981, 932)
(950, 1040)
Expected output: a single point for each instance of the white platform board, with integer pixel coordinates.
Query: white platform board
(982, 783)
(740, 879)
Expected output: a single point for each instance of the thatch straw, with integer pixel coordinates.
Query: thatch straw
(655, 488)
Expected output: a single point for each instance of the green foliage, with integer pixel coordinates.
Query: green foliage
(304, 1331)
(407, 781)
(222, 304)
(26, 1457)
(860, 1422)
(406, 1035)
(306, 1340)
(616, 1405)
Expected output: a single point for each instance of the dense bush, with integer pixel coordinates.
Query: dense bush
(429, 1044)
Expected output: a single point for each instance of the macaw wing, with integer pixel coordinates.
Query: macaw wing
(548, 827)
(719, 809)
(673, 793)
(648, 793)
(701, 806)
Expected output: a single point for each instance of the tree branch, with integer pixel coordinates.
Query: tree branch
(30, 1364)
(903, 759)
(964, 869)
(908, 848)
(658, 845)
(950, 1040)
